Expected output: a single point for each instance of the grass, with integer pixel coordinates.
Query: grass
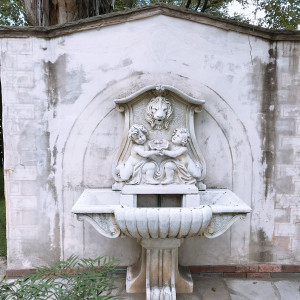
(2, 217)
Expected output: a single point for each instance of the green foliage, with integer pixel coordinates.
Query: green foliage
(211, 5)
(127, 4)
(12, 12)
(2, 217)
(2, 229)
(280, 14)
(73, 279)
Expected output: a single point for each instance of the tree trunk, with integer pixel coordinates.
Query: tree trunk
(52, 12)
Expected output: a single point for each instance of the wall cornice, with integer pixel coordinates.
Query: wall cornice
(143, 13)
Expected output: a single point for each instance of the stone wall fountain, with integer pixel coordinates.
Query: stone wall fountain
(159, 157)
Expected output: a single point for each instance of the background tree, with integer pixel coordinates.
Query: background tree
(277, 14)
(280, 14)
(12, 12)
(52, 12)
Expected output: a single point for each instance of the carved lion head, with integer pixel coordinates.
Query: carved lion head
(158, 112)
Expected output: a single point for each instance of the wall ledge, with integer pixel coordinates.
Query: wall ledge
(145, 12)
(263, 271)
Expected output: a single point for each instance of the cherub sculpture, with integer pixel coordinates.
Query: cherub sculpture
(179, 161)
(138, 166)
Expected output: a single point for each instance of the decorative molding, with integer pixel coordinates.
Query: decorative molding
(160, 90)
(220, 223)
(163, 223)
(105, 224)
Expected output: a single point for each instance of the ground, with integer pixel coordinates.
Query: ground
(223, 289)
(234, 289)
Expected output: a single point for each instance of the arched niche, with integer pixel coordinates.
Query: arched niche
(105, 141)
(216, 151)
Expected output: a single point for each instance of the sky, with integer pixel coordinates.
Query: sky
(248, 12)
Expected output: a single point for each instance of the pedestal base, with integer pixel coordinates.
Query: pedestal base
(157, 273)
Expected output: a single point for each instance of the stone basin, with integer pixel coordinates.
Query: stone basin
(160, 231)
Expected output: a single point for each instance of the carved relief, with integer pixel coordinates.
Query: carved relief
(171, 222)
(158, 113)
(159, 161)
(139, 165)
(105, 224)
(161, 153)
(178, 160)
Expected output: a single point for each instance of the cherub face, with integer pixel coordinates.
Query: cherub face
(180, 137)
(139, 138)
(177, 138)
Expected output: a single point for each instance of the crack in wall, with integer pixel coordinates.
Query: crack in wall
(250, 50)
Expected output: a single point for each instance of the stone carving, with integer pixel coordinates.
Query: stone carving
(105, 224)
(159, 146)
(162, 223)
(158, 113)
(159, 161)
(159, 155)
(138, 165)
(219, 224)
(160, 231)
(179, 161)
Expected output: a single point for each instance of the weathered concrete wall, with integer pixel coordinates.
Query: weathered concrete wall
(61, 130)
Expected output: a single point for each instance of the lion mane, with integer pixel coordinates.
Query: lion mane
(157, 103)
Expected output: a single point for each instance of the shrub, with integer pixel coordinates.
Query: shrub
(72, 279)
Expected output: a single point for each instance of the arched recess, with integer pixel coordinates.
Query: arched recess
(102, 107)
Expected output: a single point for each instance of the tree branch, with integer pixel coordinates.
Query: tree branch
(188, 3)
(198, 4)
(204, 6)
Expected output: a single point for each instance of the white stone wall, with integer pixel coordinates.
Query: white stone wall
(61, 131)
(287, 170)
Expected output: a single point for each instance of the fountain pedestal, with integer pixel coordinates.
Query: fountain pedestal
(159, 269)
(160, 231)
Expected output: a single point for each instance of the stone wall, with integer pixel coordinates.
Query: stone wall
(61, 128)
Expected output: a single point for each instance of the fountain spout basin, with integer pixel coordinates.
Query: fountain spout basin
(160, 231)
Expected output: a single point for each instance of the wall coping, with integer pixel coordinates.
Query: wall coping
(263, 271)
(146, 12)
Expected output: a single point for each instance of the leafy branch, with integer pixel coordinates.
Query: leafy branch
(72, 279)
